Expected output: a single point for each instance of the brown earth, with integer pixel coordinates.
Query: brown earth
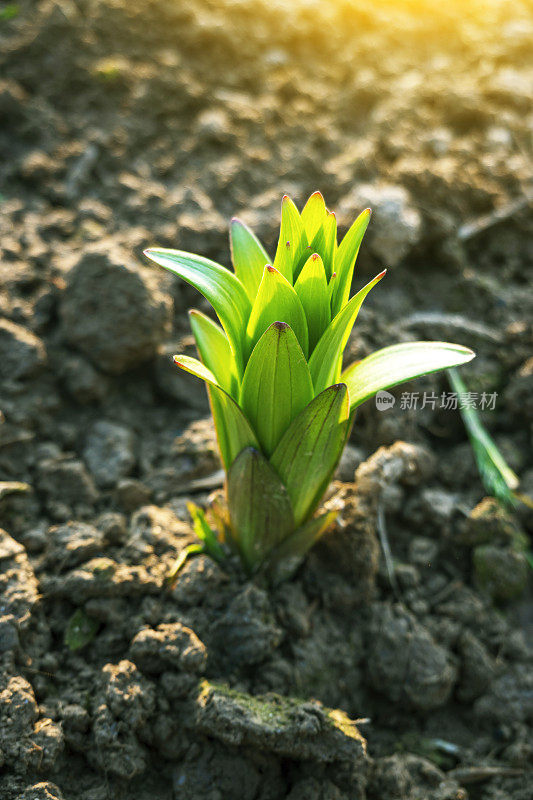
(129, 124)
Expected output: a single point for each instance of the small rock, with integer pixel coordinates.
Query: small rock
(397, 224)
(72, 543)
(113, 526)
(519, 391)
(41, 791)
(405, 663)
(509, 699)
(350, 460)
(489, 522)
(9, 638)
(22, 354)
(47, 737)
(18, 715)
(103, 577)
(423, 551)
(123, 704)
(174, 382)
(390, 779)
(169, 646)
(313, 789)
(131, 494)
(160, 528)
(109, 452)
(477, 668)
(116, 314)
(290, 728)
(18, 584)
(432, 508)
(214, 124)
(83, 381)
(501, 572)
(247, 634)
(67, 482)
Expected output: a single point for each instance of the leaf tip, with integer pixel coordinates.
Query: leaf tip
(270, 268)
(280, 326)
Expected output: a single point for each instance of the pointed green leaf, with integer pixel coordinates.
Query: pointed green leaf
(309, 451)
(276, 385)
(314, 215)
(292, 239)
(325, 363)
(259, 507)
(248, 256)
(323, 241)
(276, 301)
(345, 261)
(401, 362)
(232, 428)
(215, 350)
(312, 289)
(218, 285)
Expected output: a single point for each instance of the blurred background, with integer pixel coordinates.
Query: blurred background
(127, 124)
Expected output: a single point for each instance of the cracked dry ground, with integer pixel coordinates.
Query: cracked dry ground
(128, 124)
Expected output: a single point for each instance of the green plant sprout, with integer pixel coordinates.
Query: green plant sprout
(281, 402)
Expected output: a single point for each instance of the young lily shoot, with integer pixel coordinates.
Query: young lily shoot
(282, 404)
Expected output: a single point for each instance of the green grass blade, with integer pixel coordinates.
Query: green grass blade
(309, 451)
(312, 289)
(400, 362)
(345, 261)
(215, 350)
(276, 385)
(248, 256)
(204, 532)
(292, 239)
(233, 430)
(259, 507)
(276, 301)
(326, 359)
(498, 478)
(218, 285)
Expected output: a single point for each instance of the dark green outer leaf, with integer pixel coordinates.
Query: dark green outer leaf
(276, 386)
(248, 256)
(309, 451)
(259, 507)
(219, 286)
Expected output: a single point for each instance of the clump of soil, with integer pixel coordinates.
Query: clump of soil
(396, 663)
